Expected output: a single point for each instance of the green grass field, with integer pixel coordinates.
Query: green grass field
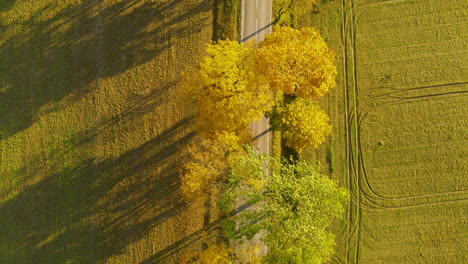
(401, 132)
(90, 129)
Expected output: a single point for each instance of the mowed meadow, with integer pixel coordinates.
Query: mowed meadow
(400, 137)
(90, 130)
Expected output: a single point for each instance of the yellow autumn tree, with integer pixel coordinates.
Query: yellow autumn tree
(227, 93)
(302, 123)
(216, 254)
(224, 253)
(209, 157)
(297, 62)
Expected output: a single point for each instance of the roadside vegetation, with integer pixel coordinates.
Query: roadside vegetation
(226, 19)
(288, 12)
(295, 206)
(234, 85)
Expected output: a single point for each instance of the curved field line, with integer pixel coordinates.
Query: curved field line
(361, 171)
(352, 179)
(377, 200)
(373, 192)
(363, 196)
(371, 200)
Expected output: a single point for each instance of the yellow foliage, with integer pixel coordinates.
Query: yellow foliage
(220, 253)
(227, 91)
(248, 253)
(256, 184)
(209, 159)
(216, 254)
(303, 124)
(297, 62)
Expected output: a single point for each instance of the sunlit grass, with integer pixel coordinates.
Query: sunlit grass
(90, 127)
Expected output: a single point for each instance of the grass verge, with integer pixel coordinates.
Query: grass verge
(226, 15)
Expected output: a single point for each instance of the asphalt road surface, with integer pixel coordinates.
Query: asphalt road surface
(256, 22)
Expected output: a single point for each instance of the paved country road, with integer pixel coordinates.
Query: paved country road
(256, 22)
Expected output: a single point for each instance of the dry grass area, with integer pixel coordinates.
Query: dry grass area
(401, 134)
(90, 130)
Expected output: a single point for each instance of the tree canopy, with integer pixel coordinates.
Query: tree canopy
(295, 205)
(302, 122)
(208, 161)
(297, 62)
(227, 91)
(233, 86)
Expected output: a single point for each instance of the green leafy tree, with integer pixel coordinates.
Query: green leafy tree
(295, 206)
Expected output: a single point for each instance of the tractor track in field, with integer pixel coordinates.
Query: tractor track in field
(374, 197)
(348, 178)
(397, 95)
(352, 34)
(363, 195)
(396, 90)
(352, 179)
(378, 200)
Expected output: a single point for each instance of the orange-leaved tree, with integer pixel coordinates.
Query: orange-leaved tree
(297, 62)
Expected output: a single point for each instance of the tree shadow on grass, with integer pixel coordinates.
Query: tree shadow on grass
(93, 211)
(209, 229)
(139, 105)
(62, 57)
